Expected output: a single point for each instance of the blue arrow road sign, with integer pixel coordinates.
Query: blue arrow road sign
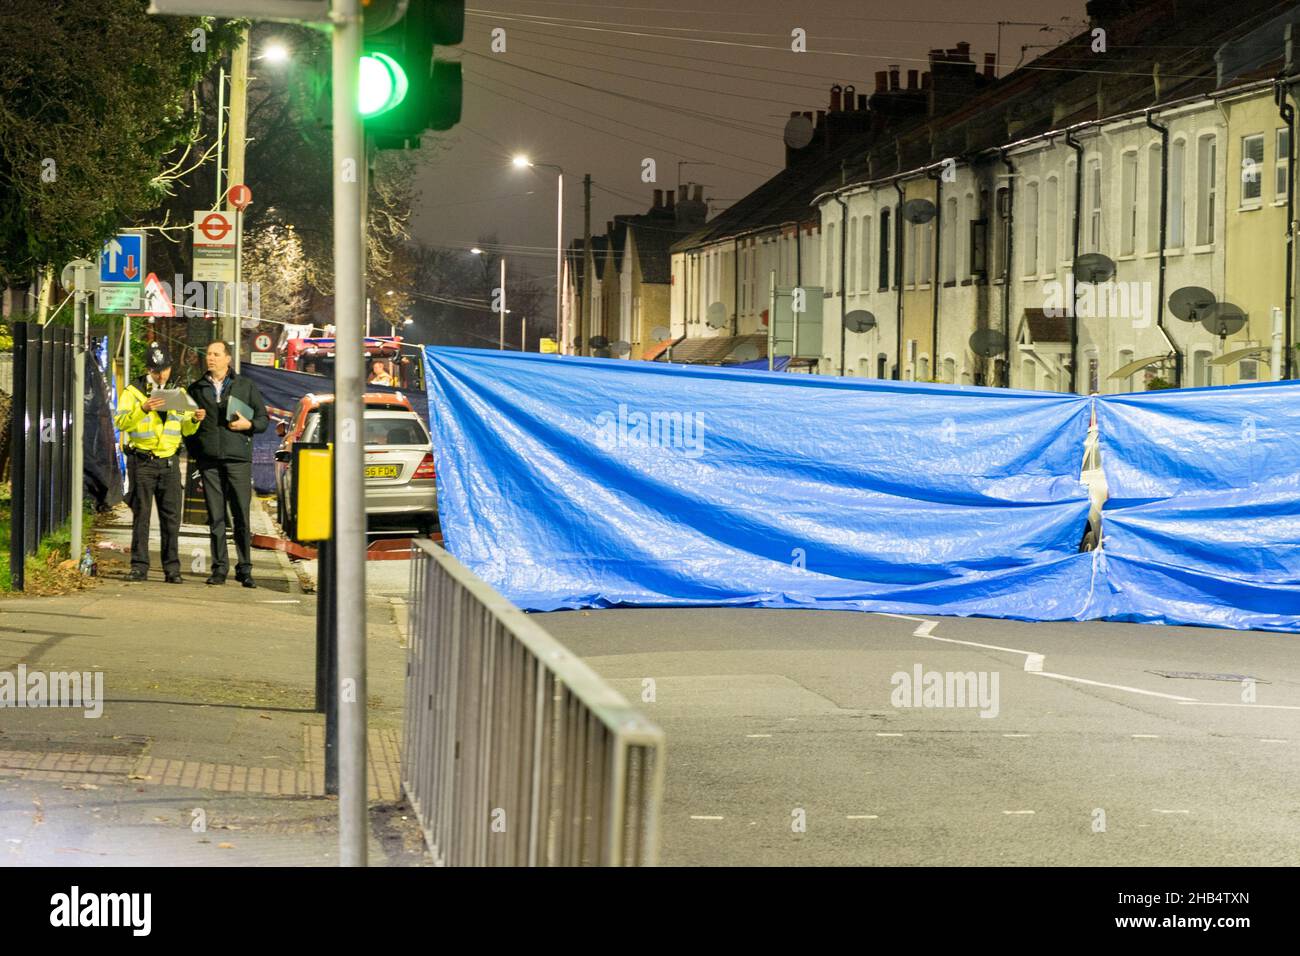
(122, 259)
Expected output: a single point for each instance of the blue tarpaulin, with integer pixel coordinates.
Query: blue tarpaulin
(1202, 525)
(571, 482)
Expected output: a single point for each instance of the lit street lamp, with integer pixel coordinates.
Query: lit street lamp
(520, 161)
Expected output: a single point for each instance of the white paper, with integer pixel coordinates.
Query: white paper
(174, 399)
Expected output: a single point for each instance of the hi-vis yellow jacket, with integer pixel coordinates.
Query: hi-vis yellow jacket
(146, 431)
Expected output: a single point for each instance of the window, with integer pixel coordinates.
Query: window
(864, 275)
(950, 371)
(1177, 164)
(1128, 203)
(1031, 229)
(1205, 190)
(828, 282)
(964, 262)
(852, 265)
(924, 374)
(1252, 169)
(1201, 369)
(882, 365)
(925, 267)
(1002, 238)
(948, 241)
(1093, 192)
(909, 252)
(1049, 238)
(1282, 164)
(1027, 369)
(1248, 370)
(1153, 198)
(979, 252)
(884, 249)
(1072, 206)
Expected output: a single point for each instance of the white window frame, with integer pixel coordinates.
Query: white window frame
(1255, 140)
(1051, 245)
(1177, 231)
(1281, 165)
(1128, 198)
(1207, 187)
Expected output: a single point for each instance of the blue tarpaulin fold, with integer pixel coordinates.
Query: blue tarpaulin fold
(1202, 525)
(570, 482)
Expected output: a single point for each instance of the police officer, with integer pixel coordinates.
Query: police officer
(153, 438)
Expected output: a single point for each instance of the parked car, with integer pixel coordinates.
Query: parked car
(400, 477)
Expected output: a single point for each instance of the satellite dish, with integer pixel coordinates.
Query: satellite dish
(1093, 267)
(599, 342)
(659, 334)
(1191, 303)
(620, 347)
(1224, 319)
(716, 316)
(798, 131)
(577, 341)
(988, 343)
(918, 210)
(859, 320)
(744, 353)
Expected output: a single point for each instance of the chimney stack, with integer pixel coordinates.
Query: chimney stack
(893, 76)
(672, 199)
(963, 51)
(699, 193)
(659, 199)
(862, 101)
(836, 98)
(990, 65)
(849, 97)
(882, 81)
(911, 79)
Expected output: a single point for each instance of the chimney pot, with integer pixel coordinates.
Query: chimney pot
(849, 97)
(963, 50)
(836, 98)
(882, 81)
(893, 76)
(699, 194)
(990, 65)
(911, 79)
(862, 102)
(659, 198)
(925, 80)
(672, 198)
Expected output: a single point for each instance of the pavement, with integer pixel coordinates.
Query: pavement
(789, 741)
(208, 750)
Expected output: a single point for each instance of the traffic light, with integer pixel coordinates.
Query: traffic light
(405, 89)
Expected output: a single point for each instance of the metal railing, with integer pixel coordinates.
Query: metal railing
(515, 752)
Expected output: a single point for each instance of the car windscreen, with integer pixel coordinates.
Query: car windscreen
(395, 430)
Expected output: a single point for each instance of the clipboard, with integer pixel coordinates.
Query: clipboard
(174, 399)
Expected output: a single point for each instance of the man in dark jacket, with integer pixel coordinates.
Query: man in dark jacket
(233, 412)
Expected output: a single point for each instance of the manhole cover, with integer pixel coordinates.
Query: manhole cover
(1201, 675)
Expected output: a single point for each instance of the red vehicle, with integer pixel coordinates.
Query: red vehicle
(385, 363)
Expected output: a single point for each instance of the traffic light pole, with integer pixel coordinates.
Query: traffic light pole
(349, 174)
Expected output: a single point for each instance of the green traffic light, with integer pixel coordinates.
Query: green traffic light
(382, 85)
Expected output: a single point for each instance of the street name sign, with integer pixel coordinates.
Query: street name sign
(288, 11)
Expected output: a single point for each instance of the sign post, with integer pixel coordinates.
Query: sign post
(121, 272)
(80, 276)
(239, 196)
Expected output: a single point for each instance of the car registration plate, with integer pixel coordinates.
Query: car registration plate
(382, 471)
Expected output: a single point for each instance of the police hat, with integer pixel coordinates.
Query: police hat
(157, 359)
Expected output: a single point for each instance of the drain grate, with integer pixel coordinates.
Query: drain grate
(1201, 675)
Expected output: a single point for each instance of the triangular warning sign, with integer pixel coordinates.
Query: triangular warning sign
(154, 299)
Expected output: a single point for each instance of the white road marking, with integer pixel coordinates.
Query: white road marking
(758, 735)
(862, 816)
(1015, 735)
(1131, 690)
(1014, 813)
(693, 817)
(888, 735)
(282, 601)
(1155, 810)
(1145, 736)
(1212, 703)
(1034, 662)
(904, 617)
(1271, 740)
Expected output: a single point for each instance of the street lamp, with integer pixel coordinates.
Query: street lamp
(275, 53)
(521, 161)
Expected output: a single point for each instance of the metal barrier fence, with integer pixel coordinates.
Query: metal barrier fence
(515, 752)
(41, 467)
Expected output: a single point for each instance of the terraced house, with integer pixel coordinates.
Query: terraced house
(1030, 230)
